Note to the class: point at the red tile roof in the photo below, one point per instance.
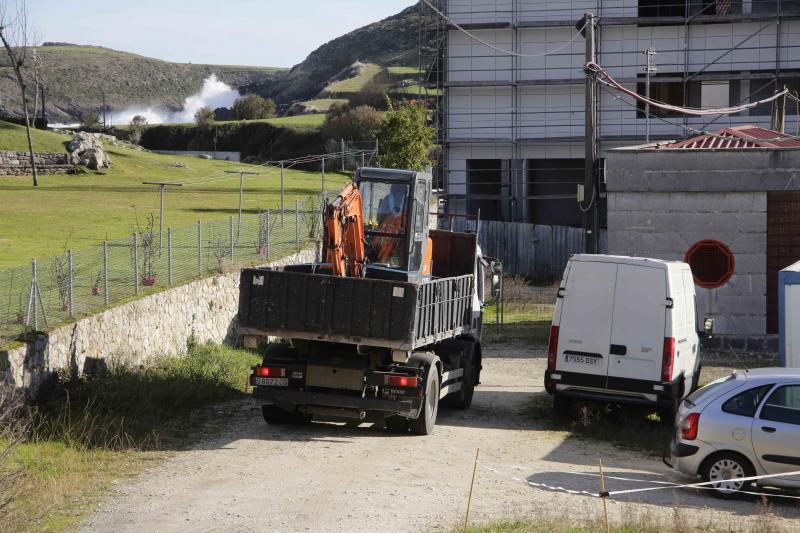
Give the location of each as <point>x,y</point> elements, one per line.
<point>735,138</point>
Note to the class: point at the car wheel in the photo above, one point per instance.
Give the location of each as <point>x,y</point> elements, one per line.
<point>727,469</point>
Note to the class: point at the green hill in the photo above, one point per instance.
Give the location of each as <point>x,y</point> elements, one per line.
<point>82,210</point>
<point>76,77</point>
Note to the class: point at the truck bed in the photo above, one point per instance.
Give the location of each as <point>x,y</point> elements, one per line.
<point>374,312</point>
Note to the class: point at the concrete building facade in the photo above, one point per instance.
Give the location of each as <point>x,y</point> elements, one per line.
<point>512,124</point>
<point>662,203</point>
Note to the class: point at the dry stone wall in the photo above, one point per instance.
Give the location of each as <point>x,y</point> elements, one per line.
<point>19,163</point>
<point>152,327</point>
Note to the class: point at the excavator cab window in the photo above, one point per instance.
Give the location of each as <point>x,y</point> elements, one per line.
<point>385,208</point>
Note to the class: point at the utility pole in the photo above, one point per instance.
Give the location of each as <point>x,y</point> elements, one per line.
<point>242,174</point>
<point>281,193</point>
<point>779,113</point>
<point>651,69</point>
<point>590,186</point>
<point>161,186</point>
<point>104,112</point>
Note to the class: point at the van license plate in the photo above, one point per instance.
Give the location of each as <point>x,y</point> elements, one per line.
<point>271,382</point>
<point>580,359</point>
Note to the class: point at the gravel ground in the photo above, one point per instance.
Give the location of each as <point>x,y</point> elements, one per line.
<point>326,477</point>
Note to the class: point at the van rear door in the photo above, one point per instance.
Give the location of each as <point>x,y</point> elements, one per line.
<point>585,326</point>
<point>637,333</point>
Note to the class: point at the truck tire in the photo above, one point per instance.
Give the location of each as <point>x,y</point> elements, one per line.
<point>396,424</point>
<point>462,399</point>
<point>274,415</point>
<point>425,422</point>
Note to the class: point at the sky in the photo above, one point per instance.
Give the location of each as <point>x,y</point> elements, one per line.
<point>270,33</point>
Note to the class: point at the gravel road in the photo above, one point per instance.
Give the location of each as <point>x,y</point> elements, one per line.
<point>326,477</point>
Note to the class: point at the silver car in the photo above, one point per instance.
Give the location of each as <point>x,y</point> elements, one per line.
<point>744,425</point>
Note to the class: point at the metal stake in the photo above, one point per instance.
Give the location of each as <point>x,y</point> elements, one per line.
<point>267,221</point>
<point>105,272</point>
<point>135,264</point>
<point>650,53</point>
<point>281,193</point>
<point>169,256</point>
<point>323,174</point>
<point>161,185</point>
<point>199,249</point>
<point>242,174</point>
<point>342,155</point>
<point>69,286</point>
<point>231,237</point>
<point>297,223</point>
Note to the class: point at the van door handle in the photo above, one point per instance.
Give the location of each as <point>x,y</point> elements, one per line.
<point>618,349</point>
<point>768,429</point>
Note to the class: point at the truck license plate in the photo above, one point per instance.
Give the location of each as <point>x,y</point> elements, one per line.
<point>271,382</point>
<point>580,359</point>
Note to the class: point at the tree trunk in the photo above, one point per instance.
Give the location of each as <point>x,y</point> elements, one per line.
<point>21,82</point>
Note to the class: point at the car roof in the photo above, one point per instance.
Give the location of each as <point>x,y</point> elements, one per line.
<point>626,260</point>
<point>764,374</point>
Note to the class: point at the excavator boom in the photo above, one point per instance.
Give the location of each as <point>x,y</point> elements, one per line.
<point>344,224</point>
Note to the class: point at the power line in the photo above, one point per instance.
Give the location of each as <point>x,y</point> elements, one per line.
<point>503,50</point>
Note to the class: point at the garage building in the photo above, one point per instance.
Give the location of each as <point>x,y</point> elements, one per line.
<point>729,204</point>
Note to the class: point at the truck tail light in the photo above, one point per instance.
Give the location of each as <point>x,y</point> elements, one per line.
<point>552,348</point>
<point>668,359</point>
<point>401,381</point>
<point>269,372</point>
<point>689,426</point>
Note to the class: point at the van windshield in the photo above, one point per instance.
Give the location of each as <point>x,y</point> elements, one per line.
<point>703,392</point>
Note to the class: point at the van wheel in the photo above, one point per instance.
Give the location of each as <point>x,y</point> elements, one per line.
<point>426,420</point>
<point>727,468</point>
<point>562,407</point>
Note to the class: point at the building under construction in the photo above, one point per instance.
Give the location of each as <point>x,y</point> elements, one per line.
<point>508,77</point>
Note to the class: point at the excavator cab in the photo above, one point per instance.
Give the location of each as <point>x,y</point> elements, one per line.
<point>395,214</point>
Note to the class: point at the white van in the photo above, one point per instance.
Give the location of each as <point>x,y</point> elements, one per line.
<point>624,331</point>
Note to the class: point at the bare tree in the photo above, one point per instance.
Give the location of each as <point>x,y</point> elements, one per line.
<point>17,40</point>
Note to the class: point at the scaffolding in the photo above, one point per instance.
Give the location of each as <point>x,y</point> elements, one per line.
<point>532,99</point>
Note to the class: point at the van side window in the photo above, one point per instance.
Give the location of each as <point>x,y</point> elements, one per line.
<point>747,402</point>
<point>783,405</point>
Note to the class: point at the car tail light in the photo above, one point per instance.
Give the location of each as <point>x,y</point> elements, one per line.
<point>552,349</point>
<point>668,360</point>
<point>689,426</point>
<point>401,381</point>
<point>269,372</point>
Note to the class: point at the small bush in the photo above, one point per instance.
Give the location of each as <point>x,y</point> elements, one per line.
<point>253,107</point>
<point>359,124</point>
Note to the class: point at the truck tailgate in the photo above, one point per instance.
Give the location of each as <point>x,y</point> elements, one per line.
<point>373,312</point>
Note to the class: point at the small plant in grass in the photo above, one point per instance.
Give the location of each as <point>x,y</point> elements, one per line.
<point>220,249</point>
<point>264,231</point>
<point>147,250</point>
<point>313,208</point>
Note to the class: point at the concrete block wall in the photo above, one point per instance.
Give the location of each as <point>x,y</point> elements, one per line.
<point>152,327</point>
<point>19,163</point>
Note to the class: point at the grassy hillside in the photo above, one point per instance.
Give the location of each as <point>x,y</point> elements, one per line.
<point>390,42</point>
<point>77,76</point>
<point>80,211</point>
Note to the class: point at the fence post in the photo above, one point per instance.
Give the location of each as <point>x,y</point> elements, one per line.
<point>135,264</point>
<point>342,155</point>
<point>231,237</point>
<point>281,193</point>
<point>34,290</point>
<point>69,286</point>
<point>297,223</point>
<point>199,248</point>
<point>105,272</point>
<point>362,159</point>
<point>267,230</point>
<point>323,174</point>
<point>169,256</point>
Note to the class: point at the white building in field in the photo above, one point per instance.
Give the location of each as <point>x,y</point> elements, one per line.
<point>513,126</point>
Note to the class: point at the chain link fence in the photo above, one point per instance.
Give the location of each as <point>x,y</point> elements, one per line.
<point>520,311</point>
<point>61,288</point>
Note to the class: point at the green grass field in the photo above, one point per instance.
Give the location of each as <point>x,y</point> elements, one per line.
<point>323,104</point>
<point>82,210</point>
<point>355,84</point>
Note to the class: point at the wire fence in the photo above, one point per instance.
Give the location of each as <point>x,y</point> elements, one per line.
<point>61,288</point>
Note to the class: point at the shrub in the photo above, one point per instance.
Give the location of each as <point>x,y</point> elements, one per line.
<point>203,117</point>
<point>253,107</point>
<point>359,124</point>
<point>406,141</point>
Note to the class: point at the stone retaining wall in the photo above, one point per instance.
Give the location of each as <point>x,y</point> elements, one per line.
<point>155,326</point>
<point>19,163</point>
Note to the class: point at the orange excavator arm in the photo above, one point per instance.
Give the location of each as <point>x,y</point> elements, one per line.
<point>344,235</point>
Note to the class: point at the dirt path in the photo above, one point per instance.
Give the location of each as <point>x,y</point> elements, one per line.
<point>325,477</point>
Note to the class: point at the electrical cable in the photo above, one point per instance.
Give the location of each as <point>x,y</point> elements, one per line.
<point>497,48</point>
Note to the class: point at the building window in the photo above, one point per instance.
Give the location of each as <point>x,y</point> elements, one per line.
<point>712,264</point>
<point>485,187</point>
<point>715,94</point>
<point>680,8</point>
<point>552,186</point>
<point>760,89</point>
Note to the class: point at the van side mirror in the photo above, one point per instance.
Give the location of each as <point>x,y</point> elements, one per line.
<point>497,279</point>
<point>495,286</point>
<point>708,327</point>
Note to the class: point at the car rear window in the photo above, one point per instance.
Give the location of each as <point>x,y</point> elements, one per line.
<point>703,392</point>
<point>746,403</point>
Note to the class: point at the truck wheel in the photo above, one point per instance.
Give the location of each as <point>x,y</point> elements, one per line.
<point>426,420</point>
<point>462,399</point>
